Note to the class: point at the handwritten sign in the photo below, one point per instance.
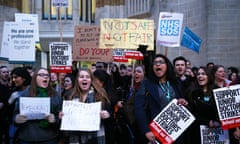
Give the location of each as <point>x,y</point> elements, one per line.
<point>126,33</point>
<point>169,29</point>
<point>228,105</point>
<point>86,45</point>
<point>171,122</point>
<point>34,107</point>
<point>60,57</point>
<point>80,116</point>
<point>214,135</point>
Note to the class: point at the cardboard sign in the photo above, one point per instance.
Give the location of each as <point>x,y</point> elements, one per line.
<point>126,33</point>
<point>60,57</point>
<point>214,135</point>
<point>80,116</point>
<point>86,45</point>
<point>169,29</point>
<point>228,105</point>
<point>171,122</point>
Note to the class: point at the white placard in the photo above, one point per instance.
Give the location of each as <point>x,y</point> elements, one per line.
<point>4,52</point>
<point>169,29</point>
<point>31,19</point>
<point>228,105</point>
<point>21,43</point>
<point>60,54</point>
<point>60,3</point>
<point>34,107</point>
<point>171,122</point>
<point>214,135</point>
<point>80,116</point>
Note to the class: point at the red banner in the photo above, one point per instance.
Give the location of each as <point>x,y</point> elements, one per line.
<point>61,69</point>
<point>160,134</point>
<point>120,59</point>
<point>134,55</point>
<point>230,123</point>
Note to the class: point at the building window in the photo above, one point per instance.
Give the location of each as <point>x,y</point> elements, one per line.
<point>87,10</point>
<point>52,13</point>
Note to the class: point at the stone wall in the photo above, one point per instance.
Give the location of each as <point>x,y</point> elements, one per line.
<point>224,32</point>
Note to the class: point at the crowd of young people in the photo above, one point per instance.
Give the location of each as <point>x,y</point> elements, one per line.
<point>121,89</point>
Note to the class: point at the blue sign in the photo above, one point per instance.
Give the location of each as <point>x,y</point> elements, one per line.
<point>191,40</point>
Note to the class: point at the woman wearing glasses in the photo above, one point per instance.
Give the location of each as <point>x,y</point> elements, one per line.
<point>40,130</point>
<point>162,86</point>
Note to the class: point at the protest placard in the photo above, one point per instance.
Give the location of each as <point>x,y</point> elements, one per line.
<point>86,45</point>
<point>171,122</point>
<point>31,19</point>
<point>60,54</point>
<point>126,33</point>
<point>119,55</point>
<point>228,105</point>
<point>60,3</point>
<point>169,29</point>
<point>21,43</point>
<point>34,107</point>
<point>213,135</point>
<point>4,51</point>
<point>80,116</point>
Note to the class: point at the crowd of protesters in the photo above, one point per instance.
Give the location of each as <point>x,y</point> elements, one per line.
<point>130,99</point>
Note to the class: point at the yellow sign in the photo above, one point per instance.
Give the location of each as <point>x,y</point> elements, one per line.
<point>126,33</point>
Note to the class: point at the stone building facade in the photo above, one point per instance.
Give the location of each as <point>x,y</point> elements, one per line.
<point>217,22</point>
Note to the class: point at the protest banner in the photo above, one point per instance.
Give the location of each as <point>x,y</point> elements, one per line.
<point>80,116</point>
<point>171,122</point>
<point>126,33</point>
<point>169,29</point>
<point>213,135</point>
<point>21,43</point>
<point>34,107</point>
<point>86,45</point>
<point>60,54</point>
<point>228,105</point>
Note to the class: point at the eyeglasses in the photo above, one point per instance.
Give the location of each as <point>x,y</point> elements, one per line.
<point>43,75</point>
<point>158,62</point>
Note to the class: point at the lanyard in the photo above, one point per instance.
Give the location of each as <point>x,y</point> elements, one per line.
<point>166,90</point>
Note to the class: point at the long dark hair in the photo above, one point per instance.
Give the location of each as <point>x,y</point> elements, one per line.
<point>210,80</point>
<point>170,73</point>
<point>22,72</point>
